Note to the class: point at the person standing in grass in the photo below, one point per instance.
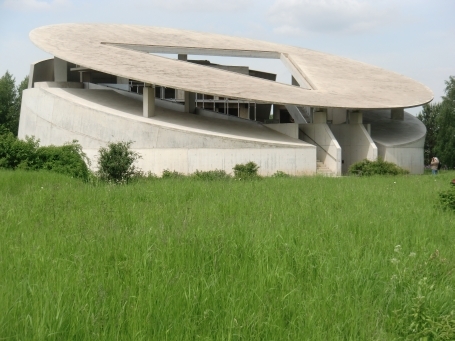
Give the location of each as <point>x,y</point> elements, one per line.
<point>434,165</point>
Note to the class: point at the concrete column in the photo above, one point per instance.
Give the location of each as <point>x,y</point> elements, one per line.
<point>397,114</point>
<point>60,70</point>
<point>320,116</point>
<point>190,102</point>
<point>355,117</point>
<point>149,100</point>
<point>190,97</point>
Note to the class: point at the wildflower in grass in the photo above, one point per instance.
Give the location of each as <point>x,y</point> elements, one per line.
<point>394,261</point>
<point>412,254</point>
<point>397,248</point>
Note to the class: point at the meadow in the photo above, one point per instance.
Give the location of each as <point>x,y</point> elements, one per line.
<point>311,258</point>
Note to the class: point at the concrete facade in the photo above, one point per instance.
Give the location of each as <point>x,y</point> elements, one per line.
<point>104,85</point>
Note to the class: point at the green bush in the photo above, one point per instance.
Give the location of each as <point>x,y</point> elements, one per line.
<point>280,174</point>
<point>67,159</point>
<point>28,155</point>
<point>167,174</point>
<point>116,163</point>
<point>447,199</point>
<point>247,170</point>
<point>216,174</point>
<point>379,167</point>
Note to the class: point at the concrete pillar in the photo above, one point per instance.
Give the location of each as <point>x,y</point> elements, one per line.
<point>397,114</point>
<point>190,101</point>
<point>190,97</point>
<point>60,70</point>
<point>149,100</point>
<point>320,116</point>
<point>355,117</point>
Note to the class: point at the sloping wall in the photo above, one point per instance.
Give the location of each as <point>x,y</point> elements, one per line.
<point>170,140</point>
<point>328,149</point>
<point>356,144</point>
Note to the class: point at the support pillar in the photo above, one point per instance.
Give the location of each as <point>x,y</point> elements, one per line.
<point>190,102</point>
<point>189,97</point>
<point>397,114</point>
<point>355,117</point>
<point>149,100</point>
<point>60,70</point>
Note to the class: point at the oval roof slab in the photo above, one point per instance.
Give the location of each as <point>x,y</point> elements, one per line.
<point>326,80</point>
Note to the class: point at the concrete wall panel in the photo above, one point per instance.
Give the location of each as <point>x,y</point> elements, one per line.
<point>56,119</point>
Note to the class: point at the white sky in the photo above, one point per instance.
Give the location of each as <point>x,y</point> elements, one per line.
<point>415,38</point>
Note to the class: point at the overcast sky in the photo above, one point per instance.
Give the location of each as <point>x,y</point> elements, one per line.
<point>415,38</point>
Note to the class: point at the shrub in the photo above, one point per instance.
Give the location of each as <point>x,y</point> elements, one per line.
<point>15,153</point>
<point>379,167</point>
<point>67,159</point>
<point>167,174</point>
<point>216,174</point>
<point>28,155</point>
<point>280,174</point>
<point>247,170</point>
<point>447,199</point>
<point>116,162</point>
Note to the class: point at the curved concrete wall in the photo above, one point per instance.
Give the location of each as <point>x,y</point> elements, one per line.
<point>398,141</point>
<point>170,140</point>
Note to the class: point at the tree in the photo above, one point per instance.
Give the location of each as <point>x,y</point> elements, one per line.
<point>10,102</point>
<point>8,97</point>
<point>15,112</point>
<point>445,144</point>
<point>429,116</point>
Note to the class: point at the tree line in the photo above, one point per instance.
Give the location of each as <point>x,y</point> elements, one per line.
<point>439,118</point>
<point>10,102</point>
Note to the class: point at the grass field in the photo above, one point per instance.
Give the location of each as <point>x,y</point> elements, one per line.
<point>181,259</point>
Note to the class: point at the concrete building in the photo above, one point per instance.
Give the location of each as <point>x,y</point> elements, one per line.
<point>106,84</point>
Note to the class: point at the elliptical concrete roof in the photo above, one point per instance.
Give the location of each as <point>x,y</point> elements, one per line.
<point>326,80</point>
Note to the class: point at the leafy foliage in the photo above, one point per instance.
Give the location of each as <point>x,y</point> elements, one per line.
<point>379,167</point>
<point>445,144</point>
<point>18,154</point>
<point>280,174</point>
<point>116,162</point>
<point>167,174</point>
<point>216,174</point>
<point>247,170</point>
<point>447,198</point>
<point>10,102</point>
<point>429,117</point>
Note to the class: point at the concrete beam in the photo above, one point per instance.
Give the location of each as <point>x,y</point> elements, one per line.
<point>149,100</point>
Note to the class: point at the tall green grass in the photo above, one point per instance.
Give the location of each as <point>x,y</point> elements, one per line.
<point>185,259</point>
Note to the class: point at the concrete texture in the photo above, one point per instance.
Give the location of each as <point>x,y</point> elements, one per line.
<point>328,149</point>
<point>169,140</point>
<point>325,80</point>
<point>355,142</point>
<point>398,141</point>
